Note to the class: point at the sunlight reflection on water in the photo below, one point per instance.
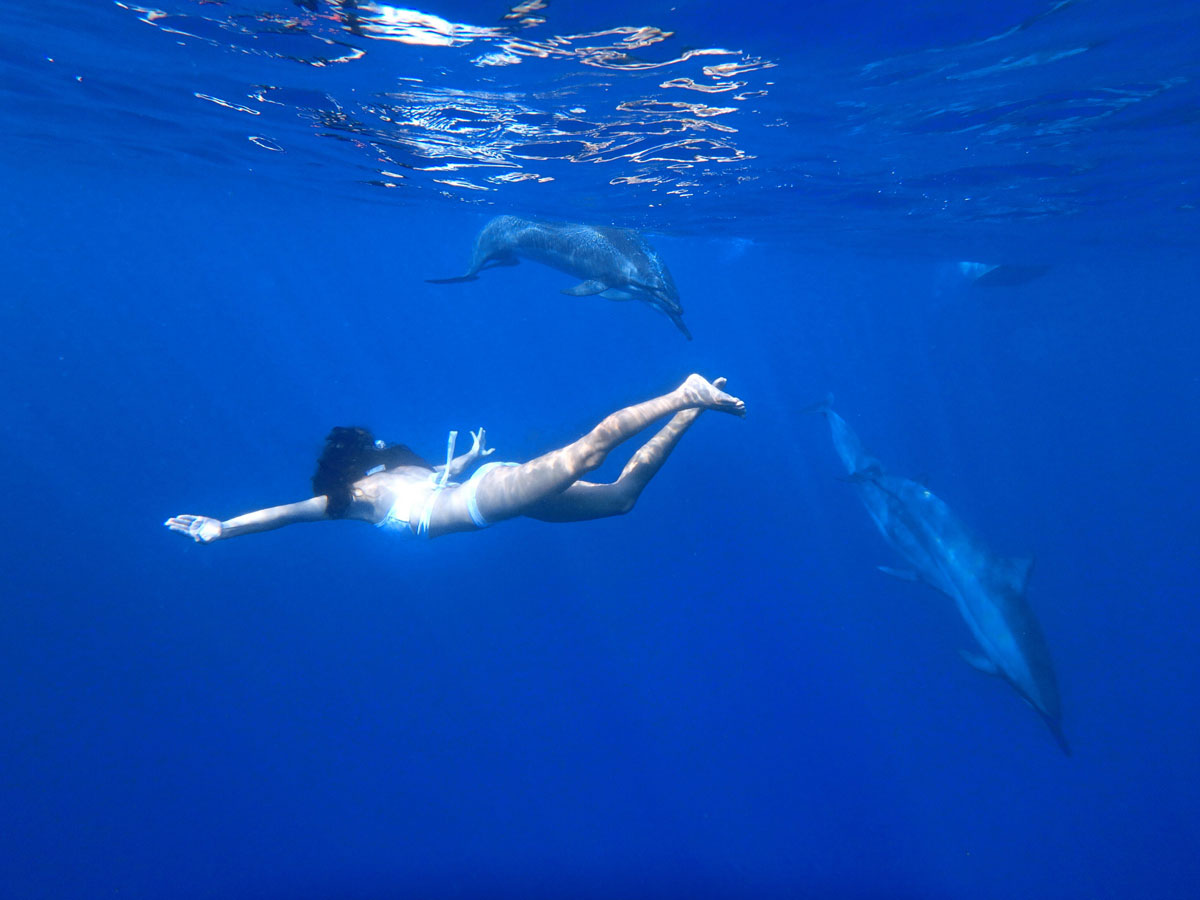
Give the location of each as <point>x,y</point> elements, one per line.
<point>676,121</point>
<point>440,121</point>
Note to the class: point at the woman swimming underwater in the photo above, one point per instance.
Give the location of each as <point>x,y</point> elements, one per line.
<point>393,488</point>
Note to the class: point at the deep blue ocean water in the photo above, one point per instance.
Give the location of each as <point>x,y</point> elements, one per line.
<point>217,222</point>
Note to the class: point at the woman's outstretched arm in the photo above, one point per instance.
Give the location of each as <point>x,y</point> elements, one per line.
<point>204,530</point>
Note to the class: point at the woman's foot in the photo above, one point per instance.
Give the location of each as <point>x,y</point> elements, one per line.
<point>699,391</point>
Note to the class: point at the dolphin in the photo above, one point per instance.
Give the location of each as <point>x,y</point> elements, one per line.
<point>988,590</point>
<point>615,263</point>
<point>999,275</point>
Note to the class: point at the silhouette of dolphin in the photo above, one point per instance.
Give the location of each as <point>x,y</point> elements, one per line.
<point>989,591</point>
<point>615,263</point>
<point>994,275</point>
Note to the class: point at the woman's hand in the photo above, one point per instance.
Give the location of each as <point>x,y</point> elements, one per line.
<point>460,464</point>
<point>477,445</point>
<point>200,529</point>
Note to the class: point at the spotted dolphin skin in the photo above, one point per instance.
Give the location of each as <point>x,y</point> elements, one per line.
<point>989,591</point>
<point>615,263</point>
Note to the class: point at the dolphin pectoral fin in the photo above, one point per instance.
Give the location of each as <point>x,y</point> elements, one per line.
<point>980,662</point>
<point>458,280</point>
<point>902,574</point>
<point>616,295</point>
<point>586,289</point>
<point>1014,573</point>
<point>1022,568</point>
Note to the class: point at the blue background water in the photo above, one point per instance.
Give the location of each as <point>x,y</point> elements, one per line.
<point>716,695</point>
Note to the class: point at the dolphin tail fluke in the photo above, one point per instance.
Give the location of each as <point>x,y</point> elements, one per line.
<point>458,280</point>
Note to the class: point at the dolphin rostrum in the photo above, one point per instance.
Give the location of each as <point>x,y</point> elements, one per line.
<point>615,263</point>
<point>988,590</point>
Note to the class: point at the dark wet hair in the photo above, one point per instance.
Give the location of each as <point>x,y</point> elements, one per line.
<point>348,455</point>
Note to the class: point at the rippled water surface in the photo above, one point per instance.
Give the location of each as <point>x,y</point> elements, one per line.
<point>659,116</point>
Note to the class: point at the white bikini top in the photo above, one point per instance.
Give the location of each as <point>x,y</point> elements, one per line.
<point>397,515</point>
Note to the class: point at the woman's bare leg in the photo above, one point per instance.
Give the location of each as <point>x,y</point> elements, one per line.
<point>584,500</point>
<point>510,491</point>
